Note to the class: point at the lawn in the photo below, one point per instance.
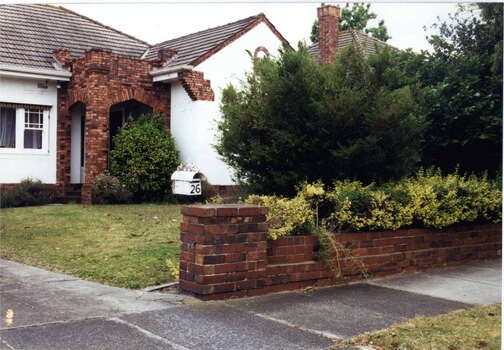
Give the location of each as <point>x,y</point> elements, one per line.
<point>120,245</point>
<point>474,328</point>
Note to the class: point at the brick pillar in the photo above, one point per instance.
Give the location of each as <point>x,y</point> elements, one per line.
<point>63,134</point>
<point>328,18</point>
<point>223,250</point>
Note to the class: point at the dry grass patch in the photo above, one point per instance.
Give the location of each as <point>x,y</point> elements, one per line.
<point>469,329</point>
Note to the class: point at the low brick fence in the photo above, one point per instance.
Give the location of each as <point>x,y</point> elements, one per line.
<point>225,252</point>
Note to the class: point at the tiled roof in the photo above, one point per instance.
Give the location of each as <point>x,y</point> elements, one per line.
<point>29,34</point>
<point>347,37</point>
<point>193,46</point>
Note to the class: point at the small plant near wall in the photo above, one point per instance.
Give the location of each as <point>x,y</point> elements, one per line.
<point>28,192</point>
<point>300,215</point>
<point>109,189</point>
<point>173,269</point>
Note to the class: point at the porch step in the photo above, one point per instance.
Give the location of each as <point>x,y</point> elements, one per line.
<point>72,195</point>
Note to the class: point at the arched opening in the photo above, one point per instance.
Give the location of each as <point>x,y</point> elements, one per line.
<point>77,145</point>
<point>119,114</point>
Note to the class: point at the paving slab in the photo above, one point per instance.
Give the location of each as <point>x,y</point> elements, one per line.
<point>85,334</point>
<point>475,284</point>
<point>213,325</point>
<point>346,310</point>
<point>50,310</point>
<point>36,296</point>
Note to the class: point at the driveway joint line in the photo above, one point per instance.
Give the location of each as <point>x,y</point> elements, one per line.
<point>149,334</point>
<point>324,334</point>
<point>422,294</point>
<point>6,344</point>
<point>467,280</point>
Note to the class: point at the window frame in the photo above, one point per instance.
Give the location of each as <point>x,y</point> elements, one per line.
<point>22,125</point>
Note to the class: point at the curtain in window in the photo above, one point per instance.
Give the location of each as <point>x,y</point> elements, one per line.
<point>33,139</point>
<point>7,127</point>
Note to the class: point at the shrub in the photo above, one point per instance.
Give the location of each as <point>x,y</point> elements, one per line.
<point>27,193</point>
<point>144,157</point>
<point>440,201</point>
<point>428,199</point>
<point>286,216</point>
<point>109,189</point>
<point>293,120</point>
<point>357,207</point>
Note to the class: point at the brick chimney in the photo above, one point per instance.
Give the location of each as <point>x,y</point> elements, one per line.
<point>328,18</point>
<point>167,55</point>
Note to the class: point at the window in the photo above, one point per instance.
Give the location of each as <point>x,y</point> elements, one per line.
<point>7,127</point>
<point>24,128</point>
<point>34,125</point>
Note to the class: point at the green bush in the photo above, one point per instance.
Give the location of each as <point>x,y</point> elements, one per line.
<point>28,192</point>
<point>108,189</point>
<point>428,199</point>
<point>293,120</point>
<point>144,157</point>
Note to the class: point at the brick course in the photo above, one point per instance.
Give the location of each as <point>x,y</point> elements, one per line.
<point>196,86</point>
<point>225,252</point>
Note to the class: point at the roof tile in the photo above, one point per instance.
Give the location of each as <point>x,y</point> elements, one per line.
<point>193,46</point>
<point>347,37</point>
<point>31,32</point>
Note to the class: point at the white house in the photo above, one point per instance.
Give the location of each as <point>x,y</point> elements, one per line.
<point>67,83</point>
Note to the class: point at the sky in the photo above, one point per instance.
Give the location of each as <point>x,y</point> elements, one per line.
<point>155,22</point>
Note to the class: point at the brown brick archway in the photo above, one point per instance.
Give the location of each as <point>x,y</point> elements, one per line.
<point>102,79</point>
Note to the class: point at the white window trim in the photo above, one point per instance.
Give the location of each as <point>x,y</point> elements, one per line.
<point>20,128</point>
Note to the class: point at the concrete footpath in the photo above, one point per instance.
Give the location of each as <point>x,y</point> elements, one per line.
<point>46,310</point>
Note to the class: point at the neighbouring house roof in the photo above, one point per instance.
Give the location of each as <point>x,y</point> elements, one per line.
<point>347,37</point>
<point>194,48</point>
<point>29,33</point>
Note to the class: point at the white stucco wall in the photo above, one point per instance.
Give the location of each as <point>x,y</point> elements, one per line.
<point>18,164</point>
<point>194,123</point>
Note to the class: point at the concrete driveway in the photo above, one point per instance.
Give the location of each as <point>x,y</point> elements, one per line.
<point>46,310</point>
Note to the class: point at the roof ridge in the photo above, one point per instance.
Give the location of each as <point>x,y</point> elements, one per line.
<point>212,28</point>
<point>357,31</point>
<point>99,23</point>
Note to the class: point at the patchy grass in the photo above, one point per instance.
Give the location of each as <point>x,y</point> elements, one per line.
<point>469,329</point>
<point>120,245</point>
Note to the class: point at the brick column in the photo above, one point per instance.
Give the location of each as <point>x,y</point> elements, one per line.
<point>223,250</point>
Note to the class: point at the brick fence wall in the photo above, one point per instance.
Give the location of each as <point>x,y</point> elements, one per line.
<point>225,252</point>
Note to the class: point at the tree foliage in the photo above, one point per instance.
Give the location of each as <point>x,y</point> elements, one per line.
<point>462,81</point>
<point>293,120</point>
<point>144,157</point>
<point>356,17</point>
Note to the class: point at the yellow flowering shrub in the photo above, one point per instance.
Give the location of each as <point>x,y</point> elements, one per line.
<point>286,216</point>
<point>440,201</point>
<point>357,207</point>
<point>428,199</point>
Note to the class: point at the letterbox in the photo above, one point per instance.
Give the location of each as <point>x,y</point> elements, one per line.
<point>187,183</point>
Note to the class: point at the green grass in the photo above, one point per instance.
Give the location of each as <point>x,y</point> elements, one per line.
<point>469,329</point>
<point>120,245</point>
